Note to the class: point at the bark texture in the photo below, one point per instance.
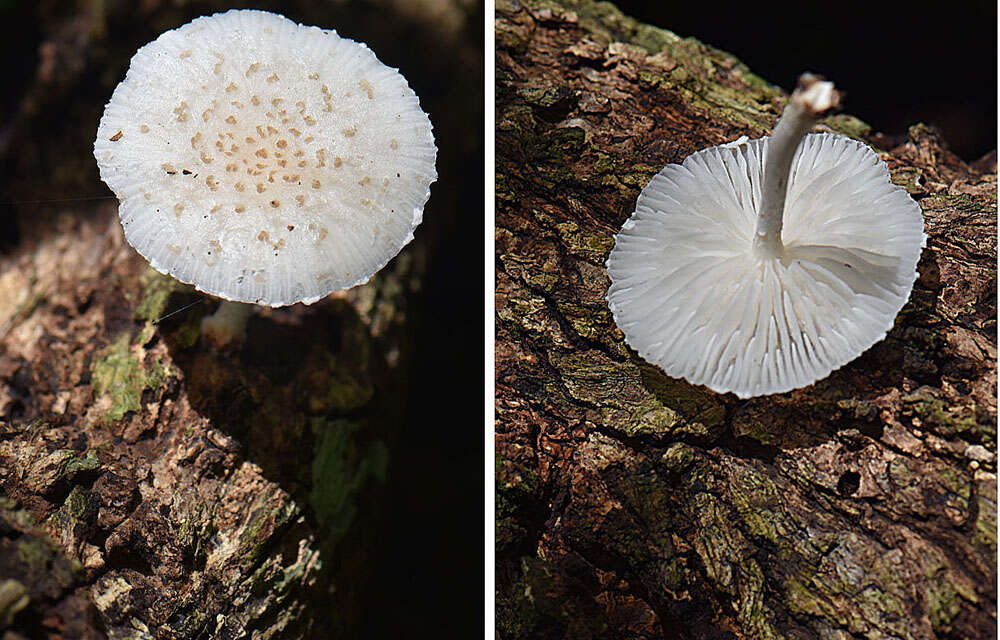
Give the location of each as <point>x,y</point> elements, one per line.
<point>187,492</point>
<point>633,505</point>
<point>150,487</point>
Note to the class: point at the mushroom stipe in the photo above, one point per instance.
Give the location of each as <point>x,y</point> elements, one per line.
<point>758,267</point>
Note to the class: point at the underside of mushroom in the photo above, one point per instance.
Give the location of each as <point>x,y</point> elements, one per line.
<point>760,267</point>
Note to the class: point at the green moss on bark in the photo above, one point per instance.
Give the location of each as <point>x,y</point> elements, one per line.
<point>119,373</point>
<point>342,466</point>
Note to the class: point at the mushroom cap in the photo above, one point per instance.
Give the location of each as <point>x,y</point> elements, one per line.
<point>691,296</point>
<point>264,161</point>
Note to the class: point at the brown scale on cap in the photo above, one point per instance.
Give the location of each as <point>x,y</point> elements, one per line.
<point>266,152</point>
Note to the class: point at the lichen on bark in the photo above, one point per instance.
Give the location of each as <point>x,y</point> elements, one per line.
<point>634,505</point>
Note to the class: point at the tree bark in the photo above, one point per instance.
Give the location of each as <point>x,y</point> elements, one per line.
<point>188,492</point>
<point>633,505</point>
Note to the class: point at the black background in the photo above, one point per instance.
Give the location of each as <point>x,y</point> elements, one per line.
<point>899,62</point>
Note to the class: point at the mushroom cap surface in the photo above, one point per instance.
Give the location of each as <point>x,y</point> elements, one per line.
<point>691,296</point>
<point>264,161</point>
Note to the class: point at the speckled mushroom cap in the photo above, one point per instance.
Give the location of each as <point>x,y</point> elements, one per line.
<point>692,297</point>
<point>264,161</point>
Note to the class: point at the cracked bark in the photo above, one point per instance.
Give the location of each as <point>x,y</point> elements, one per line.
<point>633,505</point>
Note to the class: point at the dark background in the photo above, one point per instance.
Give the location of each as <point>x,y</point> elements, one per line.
<point>900,62</point>
<point>58,72</point>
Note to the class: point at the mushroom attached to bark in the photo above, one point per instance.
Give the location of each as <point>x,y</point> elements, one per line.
<point>264,162</point>
<point>760,267</point>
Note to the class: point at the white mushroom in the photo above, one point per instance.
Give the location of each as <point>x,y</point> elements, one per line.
<point>760,267</point>
<point>263,161</point>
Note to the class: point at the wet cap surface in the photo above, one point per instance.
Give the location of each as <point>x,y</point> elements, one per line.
<point>692,298</point>
<point>263,161</point>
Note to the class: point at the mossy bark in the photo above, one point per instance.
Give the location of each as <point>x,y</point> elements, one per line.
<point>189,491</point>
<point>633,505</point>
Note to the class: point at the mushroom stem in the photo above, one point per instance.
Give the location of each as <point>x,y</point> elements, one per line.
<point>228,324</point>
<point>811,98</point>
